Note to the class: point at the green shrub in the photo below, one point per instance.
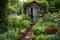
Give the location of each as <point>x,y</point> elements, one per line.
<point>52,37</point>
<point>48,17</point>
<point>51,17</point>
<point>40,26</point>
<point>18,21</point>
<point>17,25</point>
<point>38,30</point>
<point>22,22</point>
<point>58,35</point>
<point>10,35</point>
<point>41,37</point>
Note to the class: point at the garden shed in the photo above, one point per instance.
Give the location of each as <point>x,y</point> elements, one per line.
<point>34,9</point>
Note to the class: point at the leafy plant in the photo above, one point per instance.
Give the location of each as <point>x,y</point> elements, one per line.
<point>17,25</point>
<point>41,37</point>
<point>10,35</point>
<point>52,37</point>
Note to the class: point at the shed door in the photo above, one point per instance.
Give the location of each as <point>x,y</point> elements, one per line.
<point>35,15</point>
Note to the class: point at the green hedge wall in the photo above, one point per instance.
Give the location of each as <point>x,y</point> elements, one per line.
<point>45,6</point>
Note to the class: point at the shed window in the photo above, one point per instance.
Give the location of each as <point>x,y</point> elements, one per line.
<point>29,10</point>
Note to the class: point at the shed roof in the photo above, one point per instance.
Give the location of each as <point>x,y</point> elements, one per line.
<point>28,4</point>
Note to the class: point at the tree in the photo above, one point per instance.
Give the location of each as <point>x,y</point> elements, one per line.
<point>13,2</point>
<point>57,4</point>
<point>3,15</point>
<point>16,6</point>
